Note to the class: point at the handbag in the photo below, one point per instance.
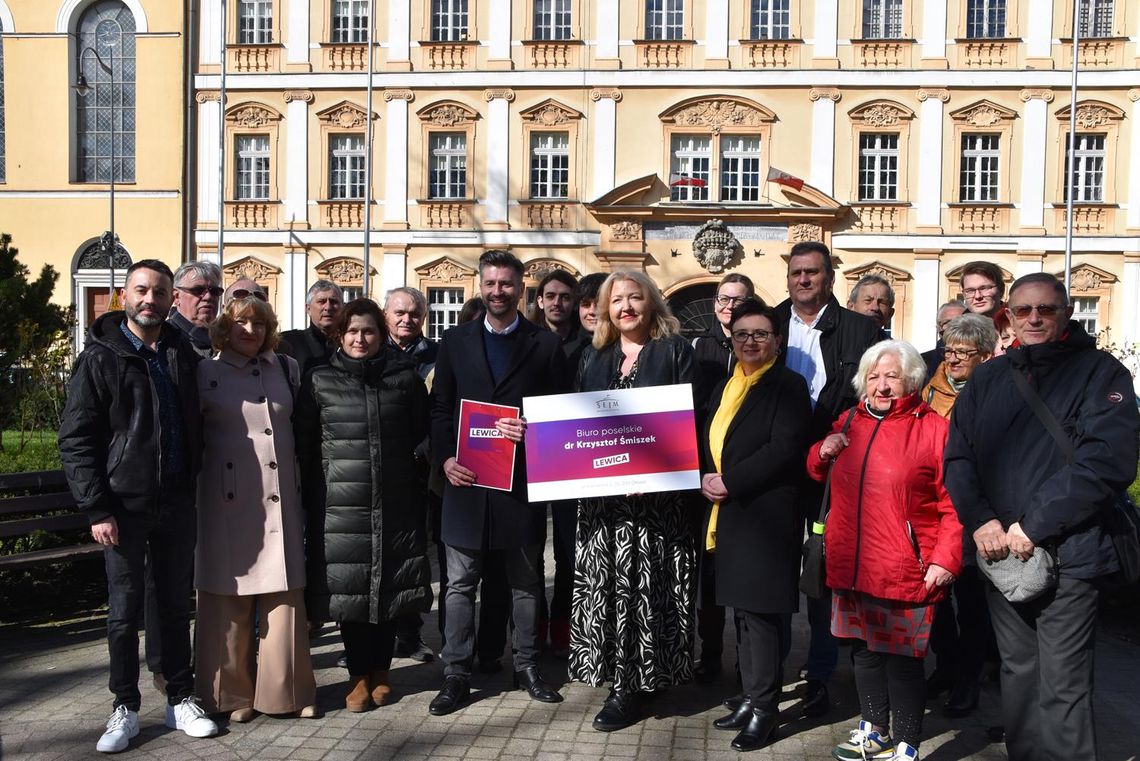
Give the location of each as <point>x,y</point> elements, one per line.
<point>813,576</point>
<point>1021,580</point>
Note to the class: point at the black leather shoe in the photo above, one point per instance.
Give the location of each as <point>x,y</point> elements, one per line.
<point>760,731</point>
<point>490,666</point>
<point>938,682</point>
<point>531,681</point>
<point>816,702</point>
<point>739,718</point>
<point>707,670</point>
<point>416,649</point>
<point>733,703</point>
<point>963,699</point>
<point>452,697</point>
<point>618,712</point>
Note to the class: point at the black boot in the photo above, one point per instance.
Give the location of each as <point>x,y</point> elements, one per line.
<point>531,681</point>
<point>816,702</point>
<point>733,703</point>
<point>738,719</point>
<point>760,731</point>
<point>963,699</point>
<point>452,697</point>
<point>618,712</point>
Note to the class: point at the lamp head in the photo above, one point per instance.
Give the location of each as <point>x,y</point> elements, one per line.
<point>81,86</point>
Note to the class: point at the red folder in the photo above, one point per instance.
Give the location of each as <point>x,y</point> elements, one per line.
<point>481,448</point>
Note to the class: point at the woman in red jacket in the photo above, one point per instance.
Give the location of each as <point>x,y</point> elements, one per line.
<point>893,543</point>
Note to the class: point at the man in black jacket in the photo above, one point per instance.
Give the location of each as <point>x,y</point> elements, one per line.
<point>824,343</point>
<point>197,296</point>
<point>130,445</point>
<point>1016,487</point>
<point>312,346</point>
<point>499,360</point>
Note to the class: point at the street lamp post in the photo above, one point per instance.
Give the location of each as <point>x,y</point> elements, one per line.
<point>109,34</point>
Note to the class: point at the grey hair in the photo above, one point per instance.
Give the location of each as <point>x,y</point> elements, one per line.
<point>872,279</point>
<point>913,367</point>
<point>319,287</point>
<point>955,304</point>
<point>973,330</point>
<point>206,270</point>
<point>413,293</point>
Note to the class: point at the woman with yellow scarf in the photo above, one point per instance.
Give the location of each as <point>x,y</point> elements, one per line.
<point>754,447</point>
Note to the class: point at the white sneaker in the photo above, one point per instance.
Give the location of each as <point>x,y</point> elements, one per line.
<point>904,752</point>
<point>190,718</point>
<point>121,728</point>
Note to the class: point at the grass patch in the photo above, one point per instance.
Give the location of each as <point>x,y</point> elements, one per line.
<point>28,451</point>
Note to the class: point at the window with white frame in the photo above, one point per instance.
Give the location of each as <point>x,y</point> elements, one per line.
<point>550,165</point>
<point>444,306</point>
<point>350,21</point>
<point>882,19</point>
<point>448,169</point>
<point>985,19</point>
<point>1088,172</point>
<point>690,168</point>
<point>255,22</point>
<point>1096,18</point>
<point>978,175</point>
<point>1086,311</point>
<point>346,167</point>
<point>448,20</point>
<point>771,20</point>
<point>252,167</point>
<point>105,116</point>
<point>878,166</point>
<point>740,168</point>
<point>551,19</point>
<point>664,19</point>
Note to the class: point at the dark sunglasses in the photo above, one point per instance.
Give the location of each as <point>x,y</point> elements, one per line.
<point>243,293</point>
<point>199,291</point>
<point>1021,311</point>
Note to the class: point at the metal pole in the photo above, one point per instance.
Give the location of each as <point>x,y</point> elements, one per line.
<point>113,247</point>
<point>368,157</point>
<point>1072,162</point>
<point>222,142</point>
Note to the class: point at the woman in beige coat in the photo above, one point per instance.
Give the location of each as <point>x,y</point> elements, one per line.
<point>250,555</point>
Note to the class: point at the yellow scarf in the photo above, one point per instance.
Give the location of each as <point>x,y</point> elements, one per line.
<point>734,394</point>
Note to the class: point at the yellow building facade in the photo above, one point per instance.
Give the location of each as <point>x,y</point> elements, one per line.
<point>56,161</point>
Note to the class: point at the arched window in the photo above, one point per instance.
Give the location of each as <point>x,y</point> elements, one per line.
<point>107,27</point>
<point>3,156</point>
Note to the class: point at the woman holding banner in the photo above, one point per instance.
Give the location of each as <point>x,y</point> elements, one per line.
<point>754,444</point>
<point>635,574</point>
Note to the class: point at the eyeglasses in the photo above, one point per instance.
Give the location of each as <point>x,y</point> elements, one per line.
<point>245,293</point>
<point>758,336</point>
<point>959,354</point>
<point>724,301</point>
<point>1021,311</point>
<point>199,291</point>
<point>979,291</point>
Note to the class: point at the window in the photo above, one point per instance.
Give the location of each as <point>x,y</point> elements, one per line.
<point>252,165</point>
<point>978,178</point>
<point>448,20</point>
<point>448,173</point>
<point>740,168</point>
<point>350,21</point>
<point>1096,18</point>
<point>105,116</point>
<point>552,19</point>
<point>985,19</point>
<point>346,167</point>
<point>1088,175</point>
<point>255,22</point>
<point>3,162</point>
<point>1086,311</point>
<point>549,165</point>
<point>771,20</point>
<point>664,19</point>
<point>444,305</point>
<point>689,172</point>
<point>878,166</point>
<point>882,19</point>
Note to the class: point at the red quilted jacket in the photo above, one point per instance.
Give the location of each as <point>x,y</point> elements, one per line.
<point>891,517</point>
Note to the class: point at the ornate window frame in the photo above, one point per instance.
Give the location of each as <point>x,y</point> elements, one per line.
<point>1090,281</point>
<point>345,271</point>
<point>550,116</point>
<point>979,118</point>
<point>344,118</point>
<point>446,116</point>
<point>264,274</point>
<point>575,23</point>
<point>446,272</point>
<point>1093,117</point>
<point>882,116</point>
<point>252,118</point>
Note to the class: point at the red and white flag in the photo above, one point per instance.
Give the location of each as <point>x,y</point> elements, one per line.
<point>677,180</point>
<point>783,178</point>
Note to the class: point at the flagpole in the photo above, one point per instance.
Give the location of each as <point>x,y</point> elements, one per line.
<point>1072,146</point>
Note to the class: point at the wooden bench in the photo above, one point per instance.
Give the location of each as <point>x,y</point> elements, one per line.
<point>39,510</point>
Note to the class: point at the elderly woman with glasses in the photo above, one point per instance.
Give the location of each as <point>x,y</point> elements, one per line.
<point>893,543</point>
<point>968,341</point>
<point>754,443</point>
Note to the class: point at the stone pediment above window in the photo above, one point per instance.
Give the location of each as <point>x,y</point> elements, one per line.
<point>540,268</point>
<point>549,113</point>
<point>1091,114</point>
<point>717,113</point>
<point>344,271</point>
<point>881,114</point>
<point>447,114</point>
<point>984,113</point>
<point>345,115</point>
<point>251,268</point>
<point>445,270</point>
<point>892,275</point>
<point>650,190</point>
<point>251,114</point>
<point>1088,278</point>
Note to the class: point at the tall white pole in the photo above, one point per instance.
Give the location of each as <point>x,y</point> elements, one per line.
<point>222,141</point>
<point>368,157</point>
<point>1072,162</point>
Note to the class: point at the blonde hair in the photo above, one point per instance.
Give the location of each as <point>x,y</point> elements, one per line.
<point>235,310</point>
<point>663,324</point>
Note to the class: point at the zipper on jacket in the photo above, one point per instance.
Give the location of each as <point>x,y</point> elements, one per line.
<point>914,545</point>
<point>859,507</point>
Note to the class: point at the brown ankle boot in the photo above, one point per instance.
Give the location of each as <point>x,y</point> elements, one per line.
<point>380,688</point>
<point>358,699</point>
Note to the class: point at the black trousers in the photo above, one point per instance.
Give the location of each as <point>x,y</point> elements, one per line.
<point>564,519</point>
<point>368,647</point>
<point>890,683</point>
<point>1046,650</point>
<point>962,636</point>
<point>760,652</point>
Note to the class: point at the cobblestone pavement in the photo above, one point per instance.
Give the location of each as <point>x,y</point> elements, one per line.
<point>54,701</point>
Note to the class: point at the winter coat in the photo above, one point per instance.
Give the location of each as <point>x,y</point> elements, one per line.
<point>251,525</point>
<point>891,518</point>
<point>309,346</point>
<point>358,423</point>
<point>938,393</point>
<point>714,355</point>
<point>662,362</point>
<point>1002,463</point>
<point>110,438</point>
<point>196,335</point>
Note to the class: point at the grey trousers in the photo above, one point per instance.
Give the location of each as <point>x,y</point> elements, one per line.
<point>1046,648</point>
<point>464,568</point>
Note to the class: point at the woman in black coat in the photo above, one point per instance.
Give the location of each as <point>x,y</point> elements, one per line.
<point>358,422</point>
<point>757,432</point>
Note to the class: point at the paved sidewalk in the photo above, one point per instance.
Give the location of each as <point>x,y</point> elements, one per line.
<point>54,701</point>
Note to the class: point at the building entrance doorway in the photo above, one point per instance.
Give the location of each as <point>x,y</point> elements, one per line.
<point>693,306</point>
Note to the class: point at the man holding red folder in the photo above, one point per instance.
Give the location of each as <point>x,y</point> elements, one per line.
<point>499,361</point>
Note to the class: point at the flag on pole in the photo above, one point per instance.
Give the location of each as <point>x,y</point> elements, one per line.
<point>677,180</point>
<point>783,178</point>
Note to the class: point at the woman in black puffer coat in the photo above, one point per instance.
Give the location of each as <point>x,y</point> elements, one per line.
<point>358,422</point>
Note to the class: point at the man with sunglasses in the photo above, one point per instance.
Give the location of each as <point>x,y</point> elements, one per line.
<point>197,296</point>
<point>243,288</point>
<point>1018,485</point>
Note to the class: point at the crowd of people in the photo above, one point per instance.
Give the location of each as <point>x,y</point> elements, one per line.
<point>285,480</point>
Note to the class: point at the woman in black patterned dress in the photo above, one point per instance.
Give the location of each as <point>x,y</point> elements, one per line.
<point>635,572</point>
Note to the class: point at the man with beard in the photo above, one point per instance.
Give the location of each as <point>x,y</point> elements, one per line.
<point>197,295</point>
<point>129,443</point>
<point>312,346</point>
<point>873,297</point>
